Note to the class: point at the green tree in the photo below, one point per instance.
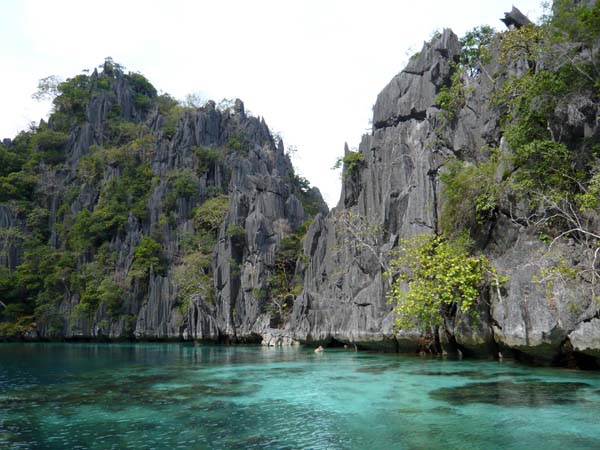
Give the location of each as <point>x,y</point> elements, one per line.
<point>475,49</point>
<point>147,256</point>
<point>433,277</point>
<point>210,214</point>
<point>350,162</point>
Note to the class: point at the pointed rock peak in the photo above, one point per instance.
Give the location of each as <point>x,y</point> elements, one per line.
<point>108,67</point>
<point>346,148</point>
<point>238,107</point>
<point>280,146</point>
<point>515,19</point>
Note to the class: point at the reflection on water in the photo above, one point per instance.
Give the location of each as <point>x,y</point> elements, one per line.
<point>533,393</point>
<point>181,396</point>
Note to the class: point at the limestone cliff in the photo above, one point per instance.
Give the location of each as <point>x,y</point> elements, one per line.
<point>398,190</point>
<point>104,234</point>
<point>131,172</point>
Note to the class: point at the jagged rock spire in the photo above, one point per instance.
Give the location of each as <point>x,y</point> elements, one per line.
<point>515,19</point>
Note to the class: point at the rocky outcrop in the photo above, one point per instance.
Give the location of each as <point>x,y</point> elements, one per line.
<point>392,188</point>
<point>585,338</point>
<point>11,238</point>
<point>244,163</point>
<point>397,189</point>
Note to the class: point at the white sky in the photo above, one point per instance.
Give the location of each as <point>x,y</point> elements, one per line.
<point>312,68</point>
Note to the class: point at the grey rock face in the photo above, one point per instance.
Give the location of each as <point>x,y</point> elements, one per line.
<point>263,202</point>
<point>515,18</point>
<point>274,337</point>
<point>586,338</point>
<point>11,239</point>
<point>397,189</point>
<point>413,90</point>
<point>536,317</point>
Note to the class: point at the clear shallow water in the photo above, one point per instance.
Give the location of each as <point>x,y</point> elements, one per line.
<point>178,396</point>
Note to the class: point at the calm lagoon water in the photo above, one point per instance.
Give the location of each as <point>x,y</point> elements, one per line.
<point>143,396</point>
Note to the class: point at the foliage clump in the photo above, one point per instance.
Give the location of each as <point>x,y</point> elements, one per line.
<point>433,278</point>
<point>350,162</point>
<point>239,143</point>
<point>236,233</point>
<point>475,53</point>
<point>476,49</point>
<point>207,157</point>
<point>472,194</point>
<point>451,99</point>
<point>210,214</point>
<point>147,257</point>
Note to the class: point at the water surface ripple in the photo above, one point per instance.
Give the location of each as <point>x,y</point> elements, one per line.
<point>152,396</point>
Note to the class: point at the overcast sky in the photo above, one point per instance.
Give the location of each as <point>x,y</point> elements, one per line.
<point>311,68</point>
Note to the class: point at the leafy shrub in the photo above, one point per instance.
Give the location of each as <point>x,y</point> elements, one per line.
<point>103,83</point>
<point>51,145</point>
<point>10,160</point>
<point>147,255</point>
<point>89,168</point>
<point>522,43</point>
<point>122,132</point>
<point>111,295</point>
<point>475,49</point>
<point>239,143</point>
<point>142,101</point>
<point>182,184</point>
<point>18,186</point>
<point>210,214</point>
<point>71,102</point>
<point>193,277</point>
<point>577,23</point>
<point>432,277</point>
<point>171,122</point>
<point>471,194</point>
<point>351,162</point>
<point>185,184</point>
<point>141,85</point>
<point>19,327</point>
<point>544,164</point>
<point>236,234</point>
<point>37,221</point>
<point>451,99</point>
<point>311,202</point>
<point>165,103</point>
<point>206,158</point>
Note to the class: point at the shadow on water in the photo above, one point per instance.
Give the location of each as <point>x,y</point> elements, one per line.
<point>473,374</point>
<point>532,393</point>
<point>373,369</point>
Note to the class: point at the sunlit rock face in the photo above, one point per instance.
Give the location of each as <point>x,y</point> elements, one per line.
<point>394,187</point>
<point>397,188</point>
<point>245,163</point>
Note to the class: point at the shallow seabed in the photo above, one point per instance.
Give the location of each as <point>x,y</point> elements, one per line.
<point>147,396</point>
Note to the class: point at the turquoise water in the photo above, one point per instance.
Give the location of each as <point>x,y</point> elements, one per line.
<point>143,396</point>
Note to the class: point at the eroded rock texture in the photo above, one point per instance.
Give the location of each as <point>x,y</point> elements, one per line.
<point>397,187</point>
<point>246,164</point>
